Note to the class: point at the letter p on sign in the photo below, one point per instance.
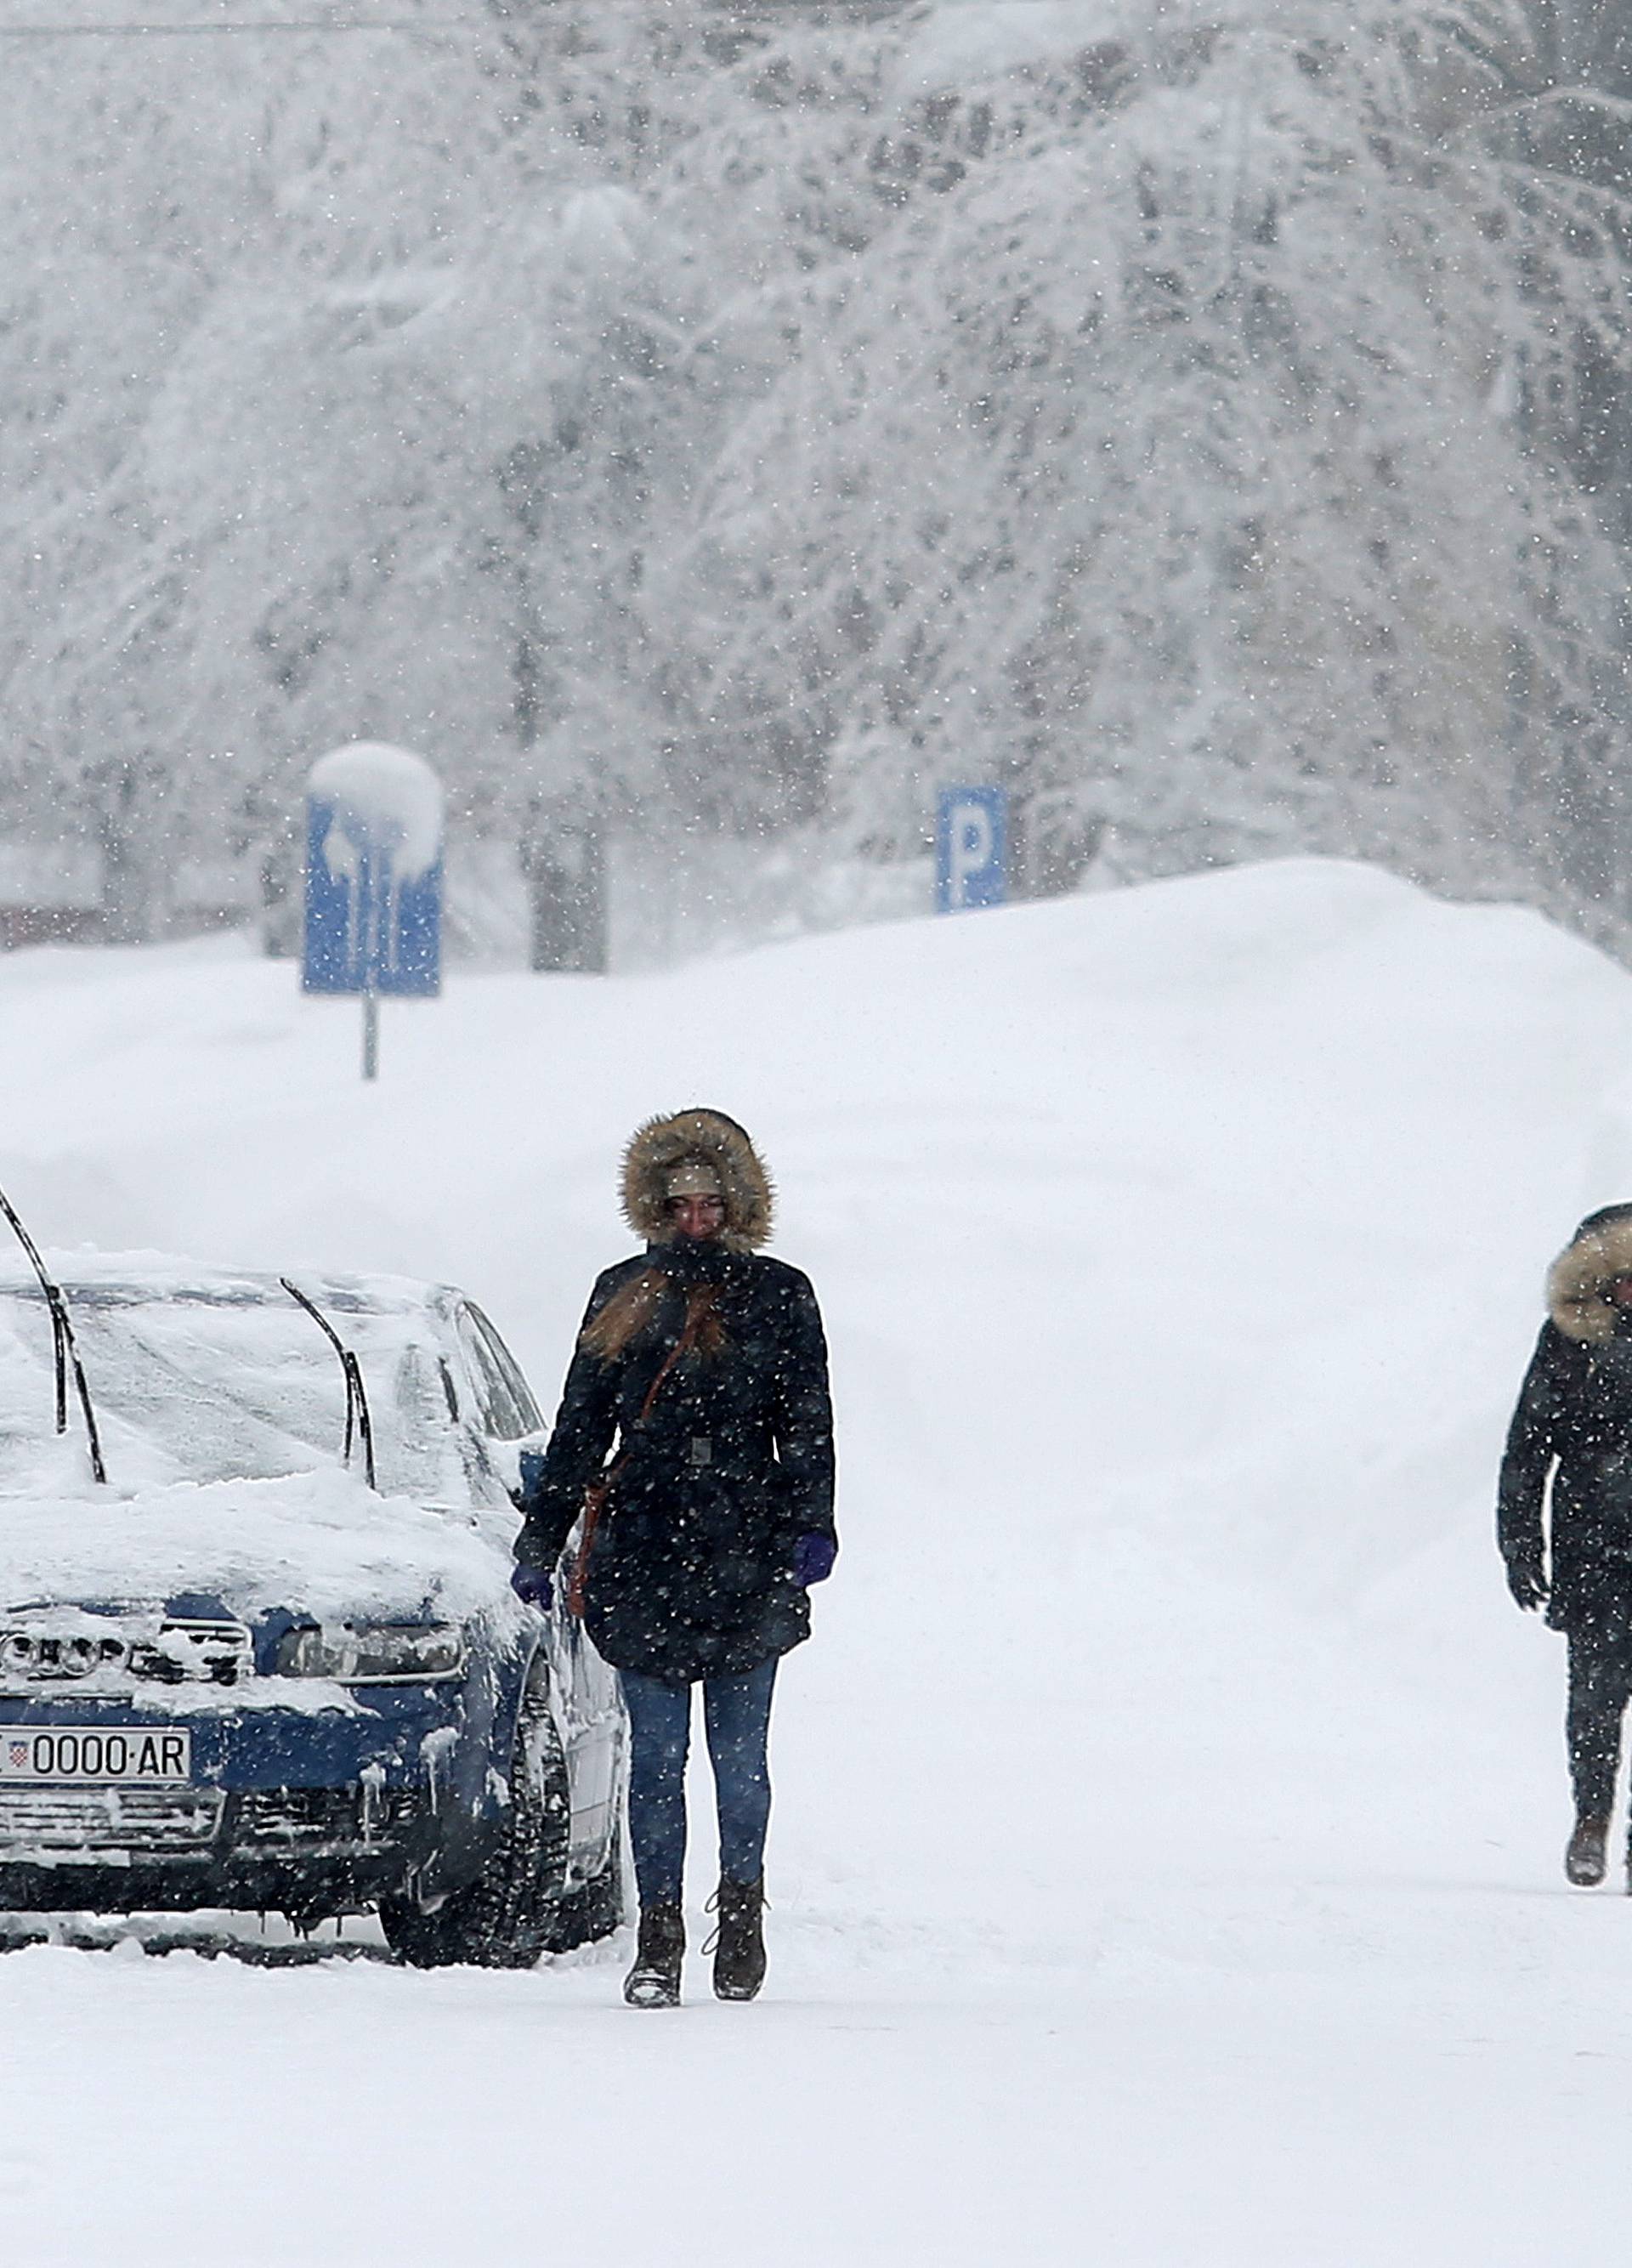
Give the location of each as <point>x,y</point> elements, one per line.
<point>970,848</point>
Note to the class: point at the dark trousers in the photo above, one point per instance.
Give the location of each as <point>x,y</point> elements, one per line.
<point>736,1716</point>
<point>1600,1686</point>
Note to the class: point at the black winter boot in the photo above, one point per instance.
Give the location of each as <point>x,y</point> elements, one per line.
<point>654,1981</point>
<point>740,1939</point>
<point>1584,1858</point>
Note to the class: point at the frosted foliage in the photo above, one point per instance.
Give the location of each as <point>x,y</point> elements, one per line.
<point>1203,420</point>
<point>1168,466</point>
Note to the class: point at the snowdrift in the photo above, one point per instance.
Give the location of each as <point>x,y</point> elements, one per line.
<point>1169,1778</point>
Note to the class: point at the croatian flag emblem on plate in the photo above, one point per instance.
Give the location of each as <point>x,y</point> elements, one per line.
<point>19,1755</point>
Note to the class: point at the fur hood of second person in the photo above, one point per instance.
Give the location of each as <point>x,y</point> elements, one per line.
<point>1577,1283</point>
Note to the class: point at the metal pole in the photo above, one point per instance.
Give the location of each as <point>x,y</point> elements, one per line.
<point>369,916</point>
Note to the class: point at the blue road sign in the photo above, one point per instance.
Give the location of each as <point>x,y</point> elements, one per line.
<point>373,875</point>
<point>970,848</point>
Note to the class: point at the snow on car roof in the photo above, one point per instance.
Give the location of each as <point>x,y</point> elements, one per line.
<point>221,1410</point>
<point>164,1276</point>
<point>211,1375</point>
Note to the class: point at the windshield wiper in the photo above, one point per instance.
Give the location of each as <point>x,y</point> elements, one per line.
<point>358,1423</point>
<point>64,1350</point>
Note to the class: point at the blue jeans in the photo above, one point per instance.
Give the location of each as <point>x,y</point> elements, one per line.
<point>736,1715</point>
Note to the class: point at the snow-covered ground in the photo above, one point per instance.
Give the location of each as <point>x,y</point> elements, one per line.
<point>1165,1865</point>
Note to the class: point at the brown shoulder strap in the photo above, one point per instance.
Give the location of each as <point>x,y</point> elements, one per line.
<point>699,1306</point>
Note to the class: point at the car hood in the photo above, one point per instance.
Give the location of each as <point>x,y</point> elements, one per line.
<point>318,1544</point>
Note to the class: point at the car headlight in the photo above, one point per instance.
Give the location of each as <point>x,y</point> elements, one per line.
<point>372,1653</point>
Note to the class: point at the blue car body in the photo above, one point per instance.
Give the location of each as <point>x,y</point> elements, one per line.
<point>373,1728</point>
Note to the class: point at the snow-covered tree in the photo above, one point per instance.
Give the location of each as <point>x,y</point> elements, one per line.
<point>1203,417</point>
<point>1162,455</point>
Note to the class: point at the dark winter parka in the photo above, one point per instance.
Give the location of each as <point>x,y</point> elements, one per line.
<point>689,1573</point>
<point>1574,1421</point>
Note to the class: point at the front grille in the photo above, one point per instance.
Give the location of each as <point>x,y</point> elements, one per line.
<point>60,1647</point>
<point>281,1818</point>
<point>282,1815</point>
<point>97,1824</point>
<point>218,1652</point>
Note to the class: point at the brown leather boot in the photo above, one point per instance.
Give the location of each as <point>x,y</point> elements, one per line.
<point>740,1939</point>
<point>1583,1856</point>
<point>654,1981</point>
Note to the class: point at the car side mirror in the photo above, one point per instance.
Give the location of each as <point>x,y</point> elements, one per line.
<point>516,1463</point>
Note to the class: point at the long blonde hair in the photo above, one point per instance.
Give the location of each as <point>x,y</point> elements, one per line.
<point>634,1307</point>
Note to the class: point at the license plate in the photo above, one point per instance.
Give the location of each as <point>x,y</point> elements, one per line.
<point>113,1754</point>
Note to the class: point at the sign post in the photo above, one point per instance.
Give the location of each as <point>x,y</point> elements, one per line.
<point>970,848</point>
<point>373,881</point>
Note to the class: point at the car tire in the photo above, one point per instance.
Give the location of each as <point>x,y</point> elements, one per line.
<point>597,1909</point>
<point>511,1913</point>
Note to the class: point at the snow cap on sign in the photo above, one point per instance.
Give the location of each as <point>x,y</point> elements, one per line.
<point>385,799</point>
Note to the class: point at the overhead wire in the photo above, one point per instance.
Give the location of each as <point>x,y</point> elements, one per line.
<point>190,31</point>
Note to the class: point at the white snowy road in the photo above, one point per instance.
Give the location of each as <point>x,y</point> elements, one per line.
<point>1166,1859</point>
<point>1211,2092</point>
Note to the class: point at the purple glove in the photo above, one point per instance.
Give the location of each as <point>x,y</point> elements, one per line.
<point>812,1559</point>
<point>1526,1582</point>
<point>532,1586</point>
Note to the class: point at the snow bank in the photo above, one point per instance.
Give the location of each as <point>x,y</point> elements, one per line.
<point>1169,1806</point>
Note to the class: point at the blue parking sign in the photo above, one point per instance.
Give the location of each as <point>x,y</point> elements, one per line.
<point>373,875</point>
<point>970,848</point>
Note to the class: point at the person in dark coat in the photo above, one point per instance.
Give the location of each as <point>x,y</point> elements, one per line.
<point>697,1417</point>
<point>1569,1547</point>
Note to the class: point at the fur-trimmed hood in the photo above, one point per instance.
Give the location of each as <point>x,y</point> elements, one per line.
<point>1600,1250</point>
<point>705,1138</point>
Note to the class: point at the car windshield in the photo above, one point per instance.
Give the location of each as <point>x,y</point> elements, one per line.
<point>224,1382</point>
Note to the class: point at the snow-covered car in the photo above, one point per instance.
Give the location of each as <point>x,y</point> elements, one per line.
<point>273,1660</point>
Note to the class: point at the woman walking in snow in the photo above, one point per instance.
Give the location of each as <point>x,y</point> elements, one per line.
<point>1574,1425</point>
<point>705,1527</point>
